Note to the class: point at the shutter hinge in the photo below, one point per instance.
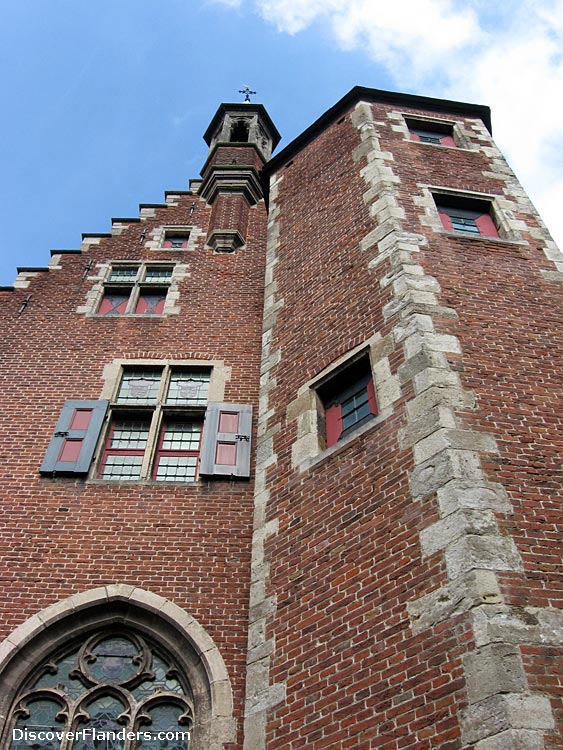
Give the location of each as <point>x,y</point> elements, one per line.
<point>61,433</point>
<point>243,438</point>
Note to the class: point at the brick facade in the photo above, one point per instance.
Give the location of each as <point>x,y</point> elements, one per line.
<point>400,588</point>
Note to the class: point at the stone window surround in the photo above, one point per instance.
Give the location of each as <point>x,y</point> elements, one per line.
<point>309,448</point>
<point>96,293</point>
<point>159,234</point>
<point>220,374</point>
<point>462,140</point>
<point>151,615</point>
<point>501,210</point>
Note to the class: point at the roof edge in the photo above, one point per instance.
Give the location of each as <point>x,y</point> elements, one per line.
<point>376,95</point>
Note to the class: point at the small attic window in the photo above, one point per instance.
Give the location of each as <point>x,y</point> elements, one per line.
<point>239,132</point>
<point>428,131</point>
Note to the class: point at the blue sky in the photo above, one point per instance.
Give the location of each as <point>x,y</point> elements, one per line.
<point>105,103</point>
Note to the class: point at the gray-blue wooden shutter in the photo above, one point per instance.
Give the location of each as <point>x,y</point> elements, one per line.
<point>71,450</point>
<point>225,446</point>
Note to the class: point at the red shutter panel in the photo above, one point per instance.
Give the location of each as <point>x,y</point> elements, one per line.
<point>225,447</point>
<point>446,221</point>
<point>371,397</point>
<point>74,441</point>
<point>486,225</point>
<point>333,424</point>
<point>447,140</point>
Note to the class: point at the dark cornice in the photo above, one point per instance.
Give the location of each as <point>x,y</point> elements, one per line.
<point>362,93</point>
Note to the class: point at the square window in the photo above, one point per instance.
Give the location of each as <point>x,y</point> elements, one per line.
<point>139,289</point>
<point>348,399</point>
<point>176,241</point>
<point>424,131</point>
<point>114,302</point>
<point>139,386</point>
<point>466,215</point>
<point>178,451</point>
<point>151,302</point>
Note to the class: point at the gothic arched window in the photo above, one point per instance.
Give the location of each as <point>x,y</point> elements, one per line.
<point>112,690</point>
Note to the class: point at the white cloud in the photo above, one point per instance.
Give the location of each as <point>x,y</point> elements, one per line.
<point>507,55</point>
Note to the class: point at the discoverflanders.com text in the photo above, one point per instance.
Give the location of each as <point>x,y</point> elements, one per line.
<point>48,735</point>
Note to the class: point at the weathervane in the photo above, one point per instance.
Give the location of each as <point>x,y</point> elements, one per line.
<point>247,92</point>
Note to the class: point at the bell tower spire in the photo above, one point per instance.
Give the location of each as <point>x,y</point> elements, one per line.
<point>241,138</point>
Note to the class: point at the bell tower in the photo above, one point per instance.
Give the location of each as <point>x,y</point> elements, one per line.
<point>241,138</point>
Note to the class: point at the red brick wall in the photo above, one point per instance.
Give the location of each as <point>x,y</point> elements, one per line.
<point>347,557</point>
<point>61,536</point>
<point>511,334</point>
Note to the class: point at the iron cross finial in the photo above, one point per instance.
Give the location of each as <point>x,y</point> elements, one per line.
<point>247,92</point>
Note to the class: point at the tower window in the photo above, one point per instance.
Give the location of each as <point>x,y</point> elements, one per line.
<point>465,215</point>
<point>240,132</point>
<point>176,239</point>
<point>437,133</point>
<point>348,398</point>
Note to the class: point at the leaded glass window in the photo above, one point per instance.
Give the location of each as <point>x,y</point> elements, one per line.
<point>156,424</point>
<point>100,690</point>
<point>136,289</point>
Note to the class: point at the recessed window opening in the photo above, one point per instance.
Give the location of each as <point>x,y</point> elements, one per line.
<point>240,132</point>
<point>466,215</point>
<point>348,398</point>
<point>437,133</point>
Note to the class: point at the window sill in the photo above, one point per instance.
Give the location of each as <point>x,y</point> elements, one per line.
<point>483,238</point>
<point>137,316</point>
<point>441,145</point>
<point>341,445</point>
<point>144,482</point>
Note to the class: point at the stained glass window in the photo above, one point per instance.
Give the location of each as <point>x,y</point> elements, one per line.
<point>109,684</point>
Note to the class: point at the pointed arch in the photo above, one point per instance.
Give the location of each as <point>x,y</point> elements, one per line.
<point>135,610</point>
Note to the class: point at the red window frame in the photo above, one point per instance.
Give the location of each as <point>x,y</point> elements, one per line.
<point>355,380</point>
<point>109,451</point>
<point>162,452</point>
